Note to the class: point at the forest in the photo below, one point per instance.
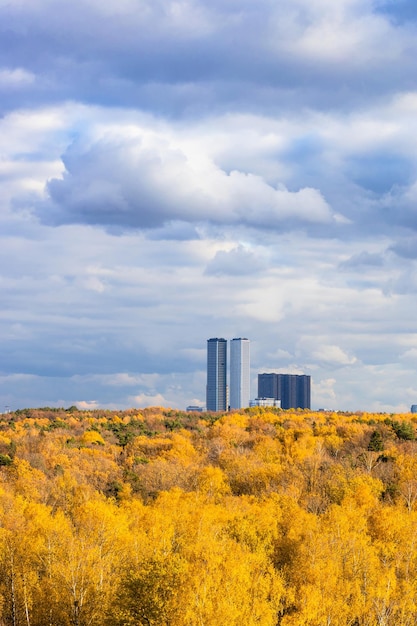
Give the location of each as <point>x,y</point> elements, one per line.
<point>157,517</point>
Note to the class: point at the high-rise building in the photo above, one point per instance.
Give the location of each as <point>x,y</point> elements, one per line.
<point>294,390</point>
<point>216,391</point>
<point>239,373</point>
<point>268,386</point>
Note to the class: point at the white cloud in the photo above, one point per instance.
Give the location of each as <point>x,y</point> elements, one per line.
<point>150,179</point>
<point>324,393</point>
<point>348,32</point>
<point>87,405</point>
<point>410,355</point>
<point>120,379</point>
<point>143,400</point>
<point>334,355</point>
<point>15,78</point>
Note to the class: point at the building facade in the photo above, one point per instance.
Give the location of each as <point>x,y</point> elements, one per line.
<point>216,390</point>
<point>266,402</point>
<point>239,373</point>
<point>293,390</point>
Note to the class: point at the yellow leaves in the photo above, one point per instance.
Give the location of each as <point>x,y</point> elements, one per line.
<point>334,562</point>
<point>407,475</point>
<point>28,481</point>
<point>229,585</point>
<point>198,562</point>
<point>4,440</point>
<point>333,443</point>
<point>297,445</point>
<point>234,419</point>
<point>152,448</point>
<point>261,517</point>
<point>24,546</point>
<point>212,482</point>
<point>363,491</point>
<point>265,416</point>
<point>230,432</point>
<point>255,524</point>
<point>267,449</point>
<point>152,594</point>
<point>182,448</point>
<point>92,437</point>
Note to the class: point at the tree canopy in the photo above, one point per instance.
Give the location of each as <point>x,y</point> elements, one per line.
<point>158,517</point>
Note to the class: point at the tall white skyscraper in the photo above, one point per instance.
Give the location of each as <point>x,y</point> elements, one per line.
<point>239,373</point>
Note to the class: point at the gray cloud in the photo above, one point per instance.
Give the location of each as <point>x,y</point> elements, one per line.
<point>406,248</point>
<point>240,261</point>
<point>253,56</point>
<point>363,259</point>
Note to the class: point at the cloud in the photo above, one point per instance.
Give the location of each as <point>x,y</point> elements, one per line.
<point>148,181</point>
<point>405,248</point>
<point>324,392</point>
<point>363,259</point>
<point>143,400</point>
<point>122,379</point>
<point>410,355</point>
<point>15,78</point>
<point>331,354</point>
<point>87,405</point>
<point>189,58</point>
<point>239,261</point>
<point>173,171</point>
<point>403,283</point>
<point>175,230</point>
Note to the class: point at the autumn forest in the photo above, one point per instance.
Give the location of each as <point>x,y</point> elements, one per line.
<point>158,517</point>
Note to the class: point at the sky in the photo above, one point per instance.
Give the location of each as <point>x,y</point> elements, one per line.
<point>178,170</point>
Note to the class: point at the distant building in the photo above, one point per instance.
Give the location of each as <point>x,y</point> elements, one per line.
<point>194,407</point>
<point>239,373</point>
<point>272,402</point>
<point>413,408</point>
<point>216,391</point>
<point>268,386</point>
<point>293,390</point>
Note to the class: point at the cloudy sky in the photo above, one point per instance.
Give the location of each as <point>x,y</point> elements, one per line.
<point>174,170</point>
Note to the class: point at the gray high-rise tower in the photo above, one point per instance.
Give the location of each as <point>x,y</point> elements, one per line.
<point>216,392</point>
<point>239,373</point>
<point>294,390</point>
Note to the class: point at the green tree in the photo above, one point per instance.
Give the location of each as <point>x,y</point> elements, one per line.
<point>376,442</point>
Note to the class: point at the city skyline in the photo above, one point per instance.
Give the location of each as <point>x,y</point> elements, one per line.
<point>291,390</point>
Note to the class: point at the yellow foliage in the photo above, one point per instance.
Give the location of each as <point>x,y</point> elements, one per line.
<point>235,418</point>
<point>260,517</point>
<point>364,491</point>
<point>92,437</point>
<point>182,448</point>
<point>212,482</point>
